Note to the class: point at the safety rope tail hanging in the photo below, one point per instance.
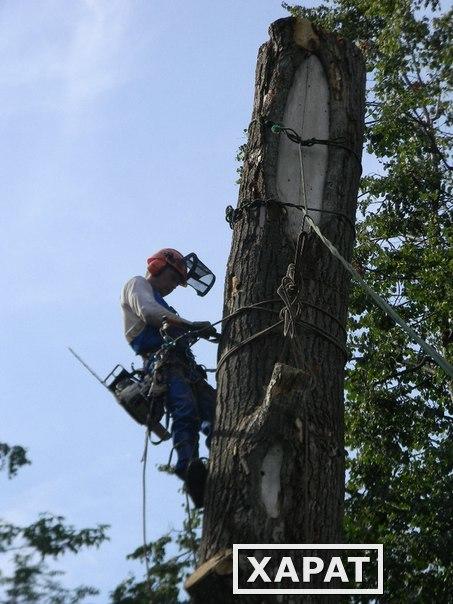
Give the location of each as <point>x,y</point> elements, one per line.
<point>145,542</point>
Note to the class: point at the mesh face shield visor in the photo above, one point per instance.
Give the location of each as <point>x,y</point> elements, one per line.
<point>198,275</point>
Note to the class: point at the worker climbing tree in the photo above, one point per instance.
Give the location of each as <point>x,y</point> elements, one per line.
<point>177,385</point>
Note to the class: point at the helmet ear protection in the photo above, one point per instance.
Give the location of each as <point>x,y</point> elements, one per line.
<point>156,266</point>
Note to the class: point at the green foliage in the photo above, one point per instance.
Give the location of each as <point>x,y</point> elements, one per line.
<point>399,403</point>
<point>166,573</point>
<point>12,458</point>
<point>241,156</point>
<point>25,550</point>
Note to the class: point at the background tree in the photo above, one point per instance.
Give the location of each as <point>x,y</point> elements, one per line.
<point>25,550</point>
<point>399,406</point>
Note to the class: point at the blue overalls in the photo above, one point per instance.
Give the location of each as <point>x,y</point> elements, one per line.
<point>190,399</point>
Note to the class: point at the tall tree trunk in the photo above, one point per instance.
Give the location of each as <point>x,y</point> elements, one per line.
<point>276,473</point>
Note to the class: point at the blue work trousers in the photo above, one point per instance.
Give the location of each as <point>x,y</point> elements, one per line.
<point>191,407</point>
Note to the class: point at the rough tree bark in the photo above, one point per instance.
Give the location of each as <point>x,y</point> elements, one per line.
<point>276,473</point>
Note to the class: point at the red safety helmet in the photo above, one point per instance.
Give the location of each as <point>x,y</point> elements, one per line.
<point>168,257</point>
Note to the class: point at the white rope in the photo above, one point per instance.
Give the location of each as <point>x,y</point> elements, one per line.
<point>301,163</point>
<point>302,181</point>
<point>145,544</point>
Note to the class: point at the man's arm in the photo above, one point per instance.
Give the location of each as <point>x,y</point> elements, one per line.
<point>139,296</point>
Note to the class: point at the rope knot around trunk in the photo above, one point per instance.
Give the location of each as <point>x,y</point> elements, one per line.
<point>288,292</point>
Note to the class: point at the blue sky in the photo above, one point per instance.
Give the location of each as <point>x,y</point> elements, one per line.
<point>120,124</point>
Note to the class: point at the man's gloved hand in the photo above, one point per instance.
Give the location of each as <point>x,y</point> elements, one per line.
<point>204,328</point>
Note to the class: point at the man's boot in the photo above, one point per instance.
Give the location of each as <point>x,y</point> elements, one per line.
<point>196,476</point>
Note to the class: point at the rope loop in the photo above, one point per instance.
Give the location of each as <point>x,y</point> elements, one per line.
<point>294,137</point>
<point>233,215</point>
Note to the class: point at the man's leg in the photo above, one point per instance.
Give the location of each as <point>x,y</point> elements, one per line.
<point>185,421</point>
<point>206,399</point>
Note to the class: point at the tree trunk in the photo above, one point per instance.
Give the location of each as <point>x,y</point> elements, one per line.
<point>276,473</point>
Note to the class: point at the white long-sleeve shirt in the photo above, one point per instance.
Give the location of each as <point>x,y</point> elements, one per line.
<point>140,307</point>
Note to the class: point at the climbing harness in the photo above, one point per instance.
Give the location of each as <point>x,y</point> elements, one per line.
<point>141,392</point>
